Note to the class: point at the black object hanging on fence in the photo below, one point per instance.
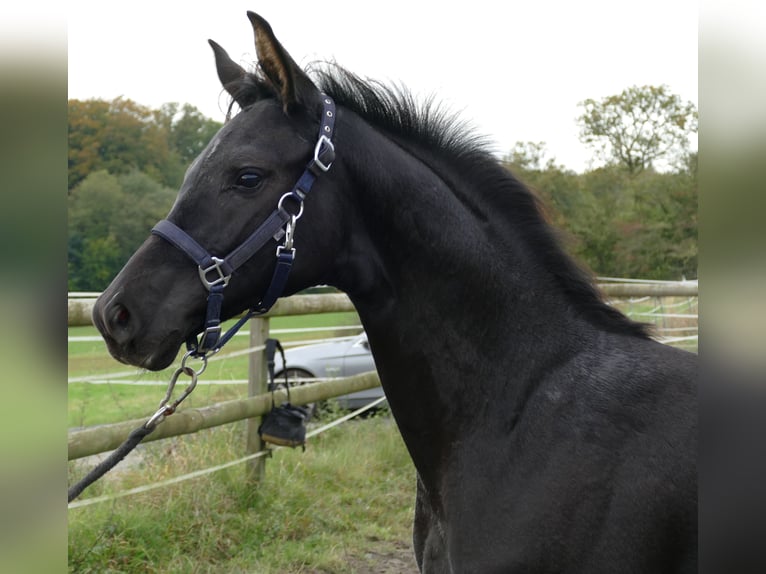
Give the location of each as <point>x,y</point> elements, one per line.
<point>284,425</point>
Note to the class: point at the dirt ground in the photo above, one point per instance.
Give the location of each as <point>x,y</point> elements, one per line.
<point>396,558</point>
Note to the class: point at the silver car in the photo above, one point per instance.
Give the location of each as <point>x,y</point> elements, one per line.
<point>340,358</point>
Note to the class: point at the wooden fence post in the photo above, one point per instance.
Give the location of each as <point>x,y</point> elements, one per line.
<point>257,384</point>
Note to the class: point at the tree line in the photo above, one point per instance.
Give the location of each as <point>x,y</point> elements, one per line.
<point>621,224</point>
<point>126,163</point>
<point>625,218</point>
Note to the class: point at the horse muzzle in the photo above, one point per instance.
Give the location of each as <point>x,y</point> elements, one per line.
<point>125,335</point>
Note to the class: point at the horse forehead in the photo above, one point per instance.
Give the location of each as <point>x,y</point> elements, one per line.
<point>204,157</point>
<point>265,125</point>
<point>230,137</point>
<point>259,129</point>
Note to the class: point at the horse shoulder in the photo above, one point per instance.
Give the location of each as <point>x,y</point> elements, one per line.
<point>598,467</point>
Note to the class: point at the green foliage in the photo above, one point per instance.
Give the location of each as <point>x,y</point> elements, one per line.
<point>122,136</point>
<point>109,217</point>
<point>117,136</point>
<point>126,162</point>
<point>189,130</point>
<point>638,127</point>
<point>619,224</point>
<point>662,239</point>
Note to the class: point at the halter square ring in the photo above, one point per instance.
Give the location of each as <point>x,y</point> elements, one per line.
<point>323,145</point>
<point>216,266</point>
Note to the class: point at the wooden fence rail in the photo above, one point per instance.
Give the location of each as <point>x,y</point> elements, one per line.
<point>80,309</point>
<point>101,438</point>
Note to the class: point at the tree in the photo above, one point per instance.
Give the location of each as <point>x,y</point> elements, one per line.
<point>620,224</point>
<point>662,240</point>
<point>118,136</point>
<point>638,126</point>
<point>557,187</point>
<point>528,156</point>
<point>191,132</point>
<point>109,217</point>
<point>122,136</point>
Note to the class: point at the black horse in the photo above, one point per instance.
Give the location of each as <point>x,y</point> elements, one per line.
<point>549,432</point>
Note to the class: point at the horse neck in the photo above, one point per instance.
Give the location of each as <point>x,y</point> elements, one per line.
<point>448,300</point>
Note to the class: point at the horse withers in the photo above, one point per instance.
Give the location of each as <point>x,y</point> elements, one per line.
<point>549,432</point>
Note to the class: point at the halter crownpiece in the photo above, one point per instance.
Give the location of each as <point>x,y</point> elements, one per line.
<point>215,272</point>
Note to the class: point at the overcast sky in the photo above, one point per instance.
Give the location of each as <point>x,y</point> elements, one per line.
<point>515,70</point>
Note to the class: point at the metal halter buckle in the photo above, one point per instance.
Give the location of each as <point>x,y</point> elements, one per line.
<point>318,149</point>
<point>216,266</point>
<point>204,345</point>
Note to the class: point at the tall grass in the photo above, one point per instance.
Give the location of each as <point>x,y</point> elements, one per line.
<point>321,510</point>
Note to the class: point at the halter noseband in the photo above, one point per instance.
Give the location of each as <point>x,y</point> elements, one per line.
<point>215,272</point>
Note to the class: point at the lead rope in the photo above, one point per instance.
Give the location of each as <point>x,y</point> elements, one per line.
<point>215,274</point>
<point>137,435</point>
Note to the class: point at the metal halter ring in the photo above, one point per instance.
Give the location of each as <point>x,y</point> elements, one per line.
<point>193,355</point>
<point>294,197</point>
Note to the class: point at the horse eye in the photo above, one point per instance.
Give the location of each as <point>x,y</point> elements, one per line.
<point>249,180</point>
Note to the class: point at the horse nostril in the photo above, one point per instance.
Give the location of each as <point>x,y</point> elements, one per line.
<point>121,317</point>
<point>118,322</point>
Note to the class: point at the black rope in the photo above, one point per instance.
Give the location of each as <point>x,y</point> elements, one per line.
<point>107,464</point>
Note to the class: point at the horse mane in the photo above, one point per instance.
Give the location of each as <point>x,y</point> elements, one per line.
<point>430,127</point>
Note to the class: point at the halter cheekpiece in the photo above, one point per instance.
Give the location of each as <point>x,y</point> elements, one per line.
<point>215,272</point>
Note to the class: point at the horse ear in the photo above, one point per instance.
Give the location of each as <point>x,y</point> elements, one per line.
<point>233,77</point>
<point>292,85</point>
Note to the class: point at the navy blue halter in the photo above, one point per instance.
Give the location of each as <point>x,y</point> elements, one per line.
<point>216,272</point>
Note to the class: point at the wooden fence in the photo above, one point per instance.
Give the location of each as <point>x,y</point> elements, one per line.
<point>80,308</point>
<point>101,438</point>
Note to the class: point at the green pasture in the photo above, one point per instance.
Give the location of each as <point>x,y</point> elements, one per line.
<point>90,358</point>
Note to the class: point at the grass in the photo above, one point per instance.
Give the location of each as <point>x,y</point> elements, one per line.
<point>316,511</point>
<point>321,510</point>
<point>99,404</point>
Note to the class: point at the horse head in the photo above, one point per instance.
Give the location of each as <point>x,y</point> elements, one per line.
<point>248,171</point>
